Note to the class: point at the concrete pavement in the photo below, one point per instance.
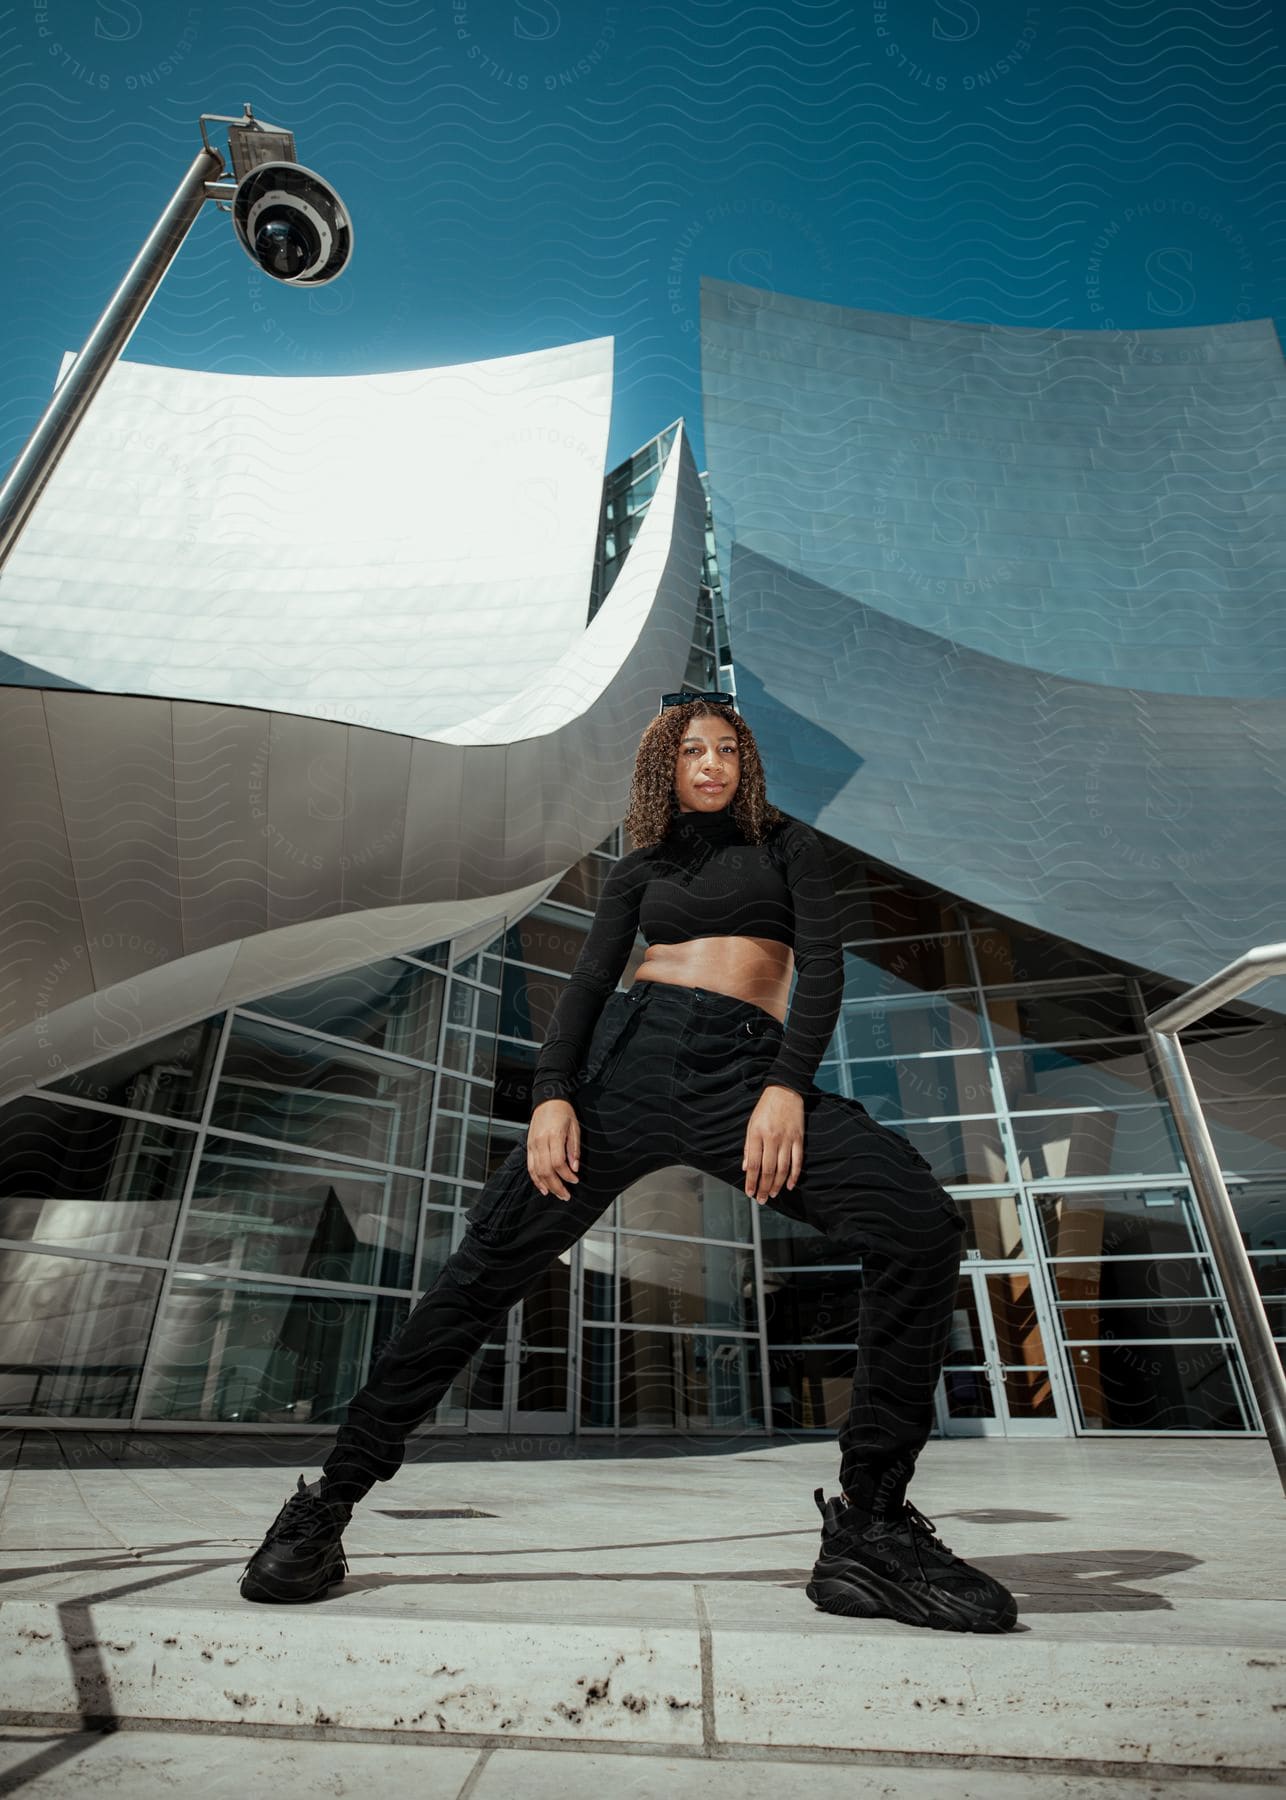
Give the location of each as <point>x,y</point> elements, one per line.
<point>572,1614</point>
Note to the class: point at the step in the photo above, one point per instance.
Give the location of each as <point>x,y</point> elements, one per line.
<point>657,1606</point>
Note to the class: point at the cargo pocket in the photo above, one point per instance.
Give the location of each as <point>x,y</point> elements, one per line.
<point>610,1037</point>
<point>899,1141</point>
<point>919,1161</point>
<point>501,1201</point>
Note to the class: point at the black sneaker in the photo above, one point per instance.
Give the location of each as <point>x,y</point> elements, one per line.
<point>302,1555</point>
<point>898,1569</point>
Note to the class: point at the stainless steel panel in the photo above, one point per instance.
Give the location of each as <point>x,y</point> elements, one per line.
<point>42,960</point>
<point>304,829</point>
<point>115,761</point>
<point>375,818</point>
<point>435,796</point>
<point>481,822</point>
<point>221,813</point>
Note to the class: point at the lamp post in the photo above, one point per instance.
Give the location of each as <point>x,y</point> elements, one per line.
<point>288,219</point>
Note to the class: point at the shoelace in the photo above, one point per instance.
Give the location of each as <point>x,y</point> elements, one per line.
<point>300,1517</point>
<point>918,1527</point>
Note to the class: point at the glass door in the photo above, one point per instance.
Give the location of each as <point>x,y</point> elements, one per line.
<point>521,1379</point>
<point>997,1381</point>
<point>540,1386</point>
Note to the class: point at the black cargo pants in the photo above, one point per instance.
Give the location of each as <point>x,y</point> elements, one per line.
<point>672,1076</point>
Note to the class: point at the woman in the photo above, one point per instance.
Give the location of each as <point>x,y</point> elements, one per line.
<point>699,1065</point>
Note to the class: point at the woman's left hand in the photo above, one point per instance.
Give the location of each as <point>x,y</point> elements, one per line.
<point>774,1143</point>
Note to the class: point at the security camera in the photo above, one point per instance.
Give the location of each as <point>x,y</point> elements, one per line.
<point>293,224</point>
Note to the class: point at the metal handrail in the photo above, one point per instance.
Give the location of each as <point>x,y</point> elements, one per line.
<point>1249,1319</point>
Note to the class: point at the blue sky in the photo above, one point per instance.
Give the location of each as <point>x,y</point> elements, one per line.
<point>531,172</point>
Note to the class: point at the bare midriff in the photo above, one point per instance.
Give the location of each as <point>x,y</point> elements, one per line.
<point>746,968</point>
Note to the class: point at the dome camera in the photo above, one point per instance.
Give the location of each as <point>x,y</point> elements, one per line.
<point>293,224</point>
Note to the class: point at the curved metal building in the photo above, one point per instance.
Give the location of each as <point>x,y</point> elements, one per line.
<point>303,678</point>
<point>1006,608</point>
<point>289,904</point>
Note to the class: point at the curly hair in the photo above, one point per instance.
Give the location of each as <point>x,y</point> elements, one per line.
<point>652,799</point>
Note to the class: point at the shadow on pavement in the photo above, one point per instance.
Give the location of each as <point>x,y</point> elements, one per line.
<point>1068,1581</point>
<point>62,1748</point>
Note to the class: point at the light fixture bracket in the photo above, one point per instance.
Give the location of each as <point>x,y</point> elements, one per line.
<point>251,142</point>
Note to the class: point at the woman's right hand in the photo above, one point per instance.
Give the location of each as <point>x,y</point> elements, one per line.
<point>553,1146</point>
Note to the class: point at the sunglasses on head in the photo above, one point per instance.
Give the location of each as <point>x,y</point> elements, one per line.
<point>685,695</point>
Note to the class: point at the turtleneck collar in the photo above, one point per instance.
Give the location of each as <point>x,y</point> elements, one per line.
<point>706,828</point>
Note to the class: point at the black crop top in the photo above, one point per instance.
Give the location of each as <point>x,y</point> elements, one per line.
<point>704,879</point>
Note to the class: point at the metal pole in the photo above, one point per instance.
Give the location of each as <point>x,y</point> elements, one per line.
<point>44,448</point>
<point>1249,1319</point>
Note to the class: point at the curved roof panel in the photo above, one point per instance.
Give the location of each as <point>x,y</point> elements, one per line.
<point>166,855</point>
<point>1006,610</point>
<point>378,548</point>
<point>1104,505</point>
<point>1149,827</point>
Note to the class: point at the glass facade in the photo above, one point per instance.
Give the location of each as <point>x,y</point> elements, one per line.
<point>223,1226</point>
<point>627,492</point>
<point>220,1228</point>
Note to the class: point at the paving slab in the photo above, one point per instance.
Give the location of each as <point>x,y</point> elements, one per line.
<point>533,1775</point>
<point>652,1599</point>
<point>155,1765</point>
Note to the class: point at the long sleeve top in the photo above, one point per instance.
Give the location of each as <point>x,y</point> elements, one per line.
<point>704,879</point>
